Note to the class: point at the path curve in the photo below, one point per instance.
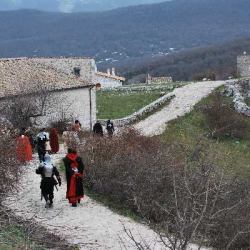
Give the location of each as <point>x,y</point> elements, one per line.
<point>183,102</point>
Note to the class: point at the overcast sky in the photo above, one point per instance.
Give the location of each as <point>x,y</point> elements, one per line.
<point>70,5</point>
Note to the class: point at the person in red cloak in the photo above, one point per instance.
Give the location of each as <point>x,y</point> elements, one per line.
<point>24,150</point>
<point>74,174</point>
<point>54,141</point>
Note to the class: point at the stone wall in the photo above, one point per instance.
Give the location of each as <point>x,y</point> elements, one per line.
<point>140,113</point>
<point>86,66</point>
<point>243,65</point>
<point>151,79</point>
<point>239,90</point>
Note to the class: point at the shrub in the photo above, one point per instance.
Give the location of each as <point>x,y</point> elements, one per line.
<point>223,120</point>
<point>179,190</point>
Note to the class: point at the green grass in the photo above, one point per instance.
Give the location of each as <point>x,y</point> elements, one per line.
<point>232,153</point>
<point>115,104</point>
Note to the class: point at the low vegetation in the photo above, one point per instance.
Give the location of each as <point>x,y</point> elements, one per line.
<point>191,183</point>
<point>119,104</point>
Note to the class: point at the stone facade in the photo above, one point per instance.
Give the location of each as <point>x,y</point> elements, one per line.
<point>243,65</point>
<point>74,104</point>
<point>84,68</point>
<point>158,80</point>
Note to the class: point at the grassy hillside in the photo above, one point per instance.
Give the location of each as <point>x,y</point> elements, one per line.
<point>233,152</point>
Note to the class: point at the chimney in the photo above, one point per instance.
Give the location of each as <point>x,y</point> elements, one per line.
<point>113,71</point>
<point>108,72</point>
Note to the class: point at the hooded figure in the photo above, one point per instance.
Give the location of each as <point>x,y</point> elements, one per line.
<point>97,129</point>
<point>24,150</point>
<point>74,174</point>
<point>54,141</point>
<point>41,139</point>
<point>47,170</point>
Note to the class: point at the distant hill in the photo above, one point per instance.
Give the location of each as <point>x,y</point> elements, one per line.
<point>126,34</point>
<point>71,5</point>
<point>212,62</point>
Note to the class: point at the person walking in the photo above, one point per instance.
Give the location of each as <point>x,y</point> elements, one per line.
<point>54,144</point>
<point>24,150</point>
<point>74,174</point>
<point>97,129</point>
<point>41,139</point>
<point>47,170</point>
<point>110,128</point>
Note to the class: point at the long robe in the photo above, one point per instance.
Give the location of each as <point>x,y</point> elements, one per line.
<point>24,150</point>
<point>74,179</point>
<point>54,141</point>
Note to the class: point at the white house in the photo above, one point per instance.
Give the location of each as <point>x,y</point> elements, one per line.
<point>66,85</point>
<point>108,80</point>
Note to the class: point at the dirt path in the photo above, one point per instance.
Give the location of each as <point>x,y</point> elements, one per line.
<point>184,100</point>
<point>90,225</point>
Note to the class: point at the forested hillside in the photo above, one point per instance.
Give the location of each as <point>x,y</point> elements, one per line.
<point>213,62</point>
<point>126,34</point>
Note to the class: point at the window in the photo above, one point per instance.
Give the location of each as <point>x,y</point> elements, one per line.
<point>77,71</point>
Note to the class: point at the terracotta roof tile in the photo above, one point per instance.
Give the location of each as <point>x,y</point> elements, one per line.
<point>110,76</point>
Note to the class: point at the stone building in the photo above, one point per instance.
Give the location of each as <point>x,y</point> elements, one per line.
<point>243,65</point>
<point>65,84</point>
<point>158,80</point>
<point>108,80</point>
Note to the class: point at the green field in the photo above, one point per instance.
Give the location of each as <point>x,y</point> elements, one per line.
<point>119,104</point>
<point>231,152</point>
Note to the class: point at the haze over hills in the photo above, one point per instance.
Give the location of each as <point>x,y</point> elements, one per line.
<point>71,5</point>
<point>126,34</point>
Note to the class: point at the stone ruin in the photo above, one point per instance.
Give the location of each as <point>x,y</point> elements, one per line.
<point>240,91</point>
<point>158,80</point>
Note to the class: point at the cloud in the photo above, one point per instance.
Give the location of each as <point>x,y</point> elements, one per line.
<point>15,2</point>
<point>68,6</point>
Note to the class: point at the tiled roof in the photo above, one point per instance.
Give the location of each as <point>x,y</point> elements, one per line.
<point>25,75</point>
<point>110,76</point>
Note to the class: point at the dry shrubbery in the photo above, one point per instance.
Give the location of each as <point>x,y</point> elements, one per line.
<point>224,121</point>
<point>181,191</point>
<point>9,165</point>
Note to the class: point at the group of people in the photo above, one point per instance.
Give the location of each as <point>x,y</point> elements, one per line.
<point>47,144</point>
<point>98,130</point>
<point>51,178</point>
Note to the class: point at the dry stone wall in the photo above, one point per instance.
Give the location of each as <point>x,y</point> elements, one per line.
<point>239,90</point>
<point>142,112</point>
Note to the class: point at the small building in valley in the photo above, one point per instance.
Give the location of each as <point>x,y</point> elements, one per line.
<point>158,80</point>
<point>108,80</point>
<point>243,65</point>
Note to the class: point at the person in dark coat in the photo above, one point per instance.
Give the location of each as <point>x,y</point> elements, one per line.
<point>54,144</point>
<point>74,174</point>
<point>47,170</point>
<point>41,139</point>
<point>110,128</point>
<point>97,129</point>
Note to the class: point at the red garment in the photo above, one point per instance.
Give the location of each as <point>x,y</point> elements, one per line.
<point>54,141</point>
<point>24,150</point>
<point>72,194</point>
